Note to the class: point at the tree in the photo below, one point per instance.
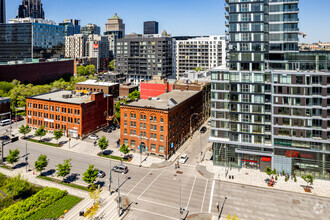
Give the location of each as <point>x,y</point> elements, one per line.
<point>309,179</point>
<point>134,95</point>
<point>24,130</point>
<point>58,134</point>
<point>41,163</point>
<point>124,149</point>
<point>40,132</point>
<point>90,69</point>
<point>81,71</point>
<point>103,143</point>
<point>268,171</point>
<point>90,175</point>
<point>112,65</point>
<point>64,169</point>
<point>13,156</point>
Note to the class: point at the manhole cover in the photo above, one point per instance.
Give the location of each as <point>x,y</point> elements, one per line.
<point>296,201</point>
<point>179,172</point>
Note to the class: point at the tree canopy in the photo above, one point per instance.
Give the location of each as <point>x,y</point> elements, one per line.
<point>40,132</point>
<point>41,163</point>
<point>134,95</point>
<point>103,143</point>
<point>124,149</point>
<point>90,175</point>
<point>112,65</point>
<point>85,70</point>
<point>58,134</point>
<point>24,129</point>
<point>64,169</point>
<point>13,156</point>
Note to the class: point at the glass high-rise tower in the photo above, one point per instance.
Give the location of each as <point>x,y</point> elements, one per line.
<point>264,111</point>
<point>2,12</point>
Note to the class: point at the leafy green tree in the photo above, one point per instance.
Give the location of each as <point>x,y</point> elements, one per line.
<point>309,179</point>
<point>58,134</point>
<point>90,175</point>
<point>41,163</point>
<point>103,143</point>
<point>17,187</point>
<point>64,169</point>
<point>134,95</point>
<point>112,65</point>
<point>40,132</point>
<point>90,69</point>
<point>268,171</point>
<point>82,71</point>
<point>124,149</point>
<point>24,129</point>
<point>13,156</point>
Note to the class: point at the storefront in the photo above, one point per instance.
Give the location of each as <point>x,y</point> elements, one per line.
<point>305,162</point>
<point>73,133</point>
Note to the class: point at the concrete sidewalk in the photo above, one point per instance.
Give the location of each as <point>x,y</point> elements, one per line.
<point>256,178</point>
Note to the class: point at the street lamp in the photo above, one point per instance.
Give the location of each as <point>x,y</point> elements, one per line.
<point>110,177</point>
<point>26,157</point>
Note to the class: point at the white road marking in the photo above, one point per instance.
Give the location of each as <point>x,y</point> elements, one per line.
<point>192,188</point>
<point>151,184</point>
<point>139,181</point>
<point>211,196</point>
<point>153,213</point>
<point>161,204</point>
<point>207,181</point>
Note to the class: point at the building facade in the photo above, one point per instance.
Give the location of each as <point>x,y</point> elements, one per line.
<point>150,27</point>
<point>161,125</point>
<point>2,11</point>
<point>95,86</point>
<point>270,108</point>
<point>31,8</point>
<point>127,88</point>
<point>69,112</point>
<point>31,40</point>
<point>90,29</point>
<point>139,58</point>
<point>75,46</point>
<point>5,110</point>
<point>97,46</point>
<point>114,29</point>
<point>72,26</point>
<point>201,52</point>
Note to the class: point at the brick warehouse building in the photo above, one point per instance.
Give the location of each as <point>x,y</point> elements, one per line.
<point>76,114</point>
<point>162,124</point>
<point>97,86</point>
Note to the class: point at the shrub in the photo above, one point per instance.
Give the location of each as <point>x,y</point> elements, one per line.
<point>23,209</point>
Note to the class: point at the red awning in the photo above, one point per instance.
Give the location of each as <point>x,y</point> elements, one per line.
<point>266,159</point>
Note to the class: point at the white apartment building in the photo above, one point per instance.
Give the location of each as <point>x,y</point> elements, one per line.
<point>97,46</point>
<point>75,46</point>
<point>204,52</point>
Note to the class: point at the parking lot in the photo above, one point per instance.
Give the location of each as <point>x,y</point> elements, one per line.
<point>112,137</point>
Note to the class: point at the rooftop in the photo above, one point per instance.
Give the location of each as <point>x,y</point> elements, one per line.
<point>165,101</point>
<point>115,17</point>
<point>96,83</point>
<point>64,96</point>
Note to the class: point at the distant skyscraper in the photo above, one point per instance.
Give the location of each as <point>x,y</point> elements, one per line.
<point>150,27</point>
<point>90,29</point>
<point>2,11</point>
<point>72,26</point>
<point>114,29</point>
<point>31,8</point>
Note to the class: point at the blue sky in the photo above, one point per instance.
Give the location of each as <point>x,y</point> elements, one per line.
<point>177,17</point>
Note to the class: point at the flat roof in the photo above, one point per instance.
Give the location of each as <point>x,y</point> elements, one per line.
<point>96,83</point>
<point>165,101</point>
<point>57,96</point>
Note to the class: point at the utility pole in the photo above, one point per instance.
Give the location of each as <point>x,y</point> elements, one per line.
<point>1,151</point>
<point>200,143</point>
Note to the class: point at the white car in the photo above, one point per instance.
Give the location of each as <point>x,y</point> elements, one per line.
<point>93,137</point>
<point>183,158</point>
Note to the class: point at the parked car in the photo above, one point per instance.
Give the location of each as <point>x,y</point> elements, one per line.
<point>5,122</point>
<point>93,137</point>
<point>183,158</point>
<point>112,127</point>
<point>117,125</point>
<point>5,138</point>
<point>18,118</point>
<point>203,130</point>
<point>101,174</point>
<point>120,169</point>
<point>128,157</point>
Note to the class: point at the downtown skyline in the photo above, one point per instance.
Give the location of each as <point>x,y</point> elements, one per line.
<point>135,13</point>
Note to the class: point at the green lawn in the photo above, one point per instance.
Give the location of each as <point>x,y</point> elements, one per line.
<point>43,142</point>
<point>66,184</point>
<point>56,209</point>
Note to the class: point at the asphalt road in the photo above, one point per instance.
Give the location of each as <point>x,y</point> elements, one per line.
<point>157,191</point>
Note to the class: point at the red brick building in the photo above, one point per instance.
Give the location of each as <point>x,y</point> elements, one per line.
<point>5,110</point>
<point>154,87</point>
<point>76,114</point>
<point>126,89</point>
<point>161,125</point>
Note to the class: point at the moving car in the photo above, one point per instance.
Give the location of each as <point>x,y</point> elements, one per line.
<point>183,158</point>
<point>101,174</point>
<point>5,138</point>
<point>203,130</point>
<point>120,169</point>
<point>209,122</point>
<point>93,137</point>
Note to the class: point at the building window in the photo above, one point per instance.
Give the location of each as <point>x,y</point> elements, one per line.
<point>161,128</point>
<point>161,137</point>
<point>161,120</point>
<point>161,149</point>
<point>132,143</point>
<point>125,131</point>
<point>153,147</point>
<point>125,123</point>
<point>125,141</point>
<point>151,118</point>
<point>125,115</point>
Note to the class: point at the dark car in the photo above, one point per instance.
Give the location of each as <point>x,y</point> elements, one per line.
<point>101,174</point>
<point>5,138</point>
<point>18,118</point>
<point>203,130</point>
<point>120,169</point>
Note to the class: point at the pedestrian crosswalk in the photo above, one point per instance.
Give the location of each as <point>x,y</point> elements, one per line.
<point>108,208</point>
